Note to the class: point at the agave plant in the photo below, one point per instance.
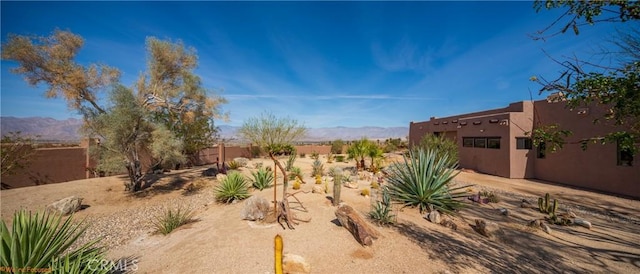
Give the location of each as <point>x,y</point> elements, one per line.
<point>317,168</point>
<point>381,212</point>
<point>262,179</point>
<point>233,187</point>
<point>40,241</point>
<point>424,179</point>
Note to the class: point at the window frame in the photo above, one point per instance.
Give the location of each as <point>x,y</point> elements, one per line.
<point>483,141</point>
<point>527,143</point>
<point>623,157</point>
<point>467,139</point>
<point>493,139</point>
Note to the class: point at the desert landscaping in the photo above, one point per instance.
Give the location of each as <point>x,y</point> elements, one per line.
<point>218,240</point>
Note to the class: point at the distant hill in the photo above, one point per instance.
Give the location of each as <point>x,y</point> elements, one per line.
<point>46,128</point>
<point>67,130</point>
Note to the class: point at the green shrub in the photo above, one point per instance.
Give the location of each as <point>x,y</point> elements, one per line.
<point>381,212</point>
<point>315,155</point>
<point>262,179</point>
<point>339,158</point>
<point>295,172</point>
<point>233,187</point>
<point>172,218</point>
<point>39,241</point>
<point>443,147</point>
<point>423,180</point>
<point>336,146</point>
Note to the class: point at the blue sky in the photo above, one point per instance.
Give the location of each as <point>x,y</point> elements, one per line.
<point>322,63</point>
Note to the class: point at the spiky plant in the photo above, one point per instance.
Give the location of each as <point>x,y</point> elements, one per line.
<point>41,241</point>
<point>381,212</point>
<point>424,179</point>
<point>317,168</point>
<point>295,172</point>
<point>172,218</point>
<point>290,161</point>
<point>262,179</point>
<point>233,187</point>
<point>233,165</point>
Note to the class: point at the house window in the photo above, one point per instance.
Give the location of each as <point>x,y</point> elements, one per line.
<point>480,142</point>
<point>493,143</point>
<point>523,143</point>
<point>542,151</point>
<point>625,157</point>
<point>467,142</point>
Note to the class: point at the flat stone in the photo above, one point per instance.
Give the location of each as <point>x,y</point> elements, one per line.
<point>583,223</point>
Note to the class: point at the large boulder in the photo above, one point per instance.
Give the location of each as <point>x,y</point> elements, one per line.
<point>66,206</point>
<point>210,172</point>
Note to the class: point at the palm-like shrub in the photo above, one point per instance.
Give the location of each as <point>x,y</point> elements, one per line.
<point>41,241</point>
<point>233,187</point>
<point>262,179</point>
<point>424,179</point>
<point>172,218</point>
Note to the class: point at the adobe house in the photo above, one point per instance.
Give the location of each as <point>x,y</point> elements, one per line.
<point>496,142</point>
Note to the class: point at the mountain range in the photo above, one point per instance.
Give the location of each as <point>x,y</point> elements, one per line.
<point>67,130</point>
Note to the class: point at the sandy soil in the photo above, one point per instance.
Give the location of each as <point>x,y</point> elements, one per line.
<point>221,242</point>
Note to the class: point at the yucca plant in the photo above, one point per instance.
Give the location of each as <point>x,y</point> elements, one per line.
<point>262,179</point>
<point>424,179</point>
<point>381,212</point>
<point>233,187</point>
<point>233,165</point>
<point>172,218</point>
<point>40,241</point>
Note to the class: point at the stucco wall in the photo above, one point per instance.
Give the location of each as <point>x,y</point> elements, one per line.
<point>595,168</point>
<point>51,165</point>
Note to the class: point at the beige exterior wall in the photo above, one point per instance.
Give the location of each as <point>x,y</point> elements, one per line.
<point>596,168</point>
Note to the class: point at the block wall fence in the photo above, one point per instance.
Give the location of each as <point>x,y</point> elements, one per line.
<point>56,165</point>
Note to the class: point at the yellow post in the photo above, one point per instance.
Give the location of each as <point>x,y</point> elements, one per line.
<point>278,254</point>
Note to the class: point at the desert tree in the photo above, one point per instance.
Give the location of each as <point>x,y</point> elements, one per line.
<point>273,135</point>
<point>51,60</point>
<point>167,107</point>
<point>614,85</point>
<point>176,97</point>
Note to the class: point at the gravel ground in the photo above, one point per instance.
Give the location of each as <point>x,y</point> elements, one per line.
<point>121,227</point>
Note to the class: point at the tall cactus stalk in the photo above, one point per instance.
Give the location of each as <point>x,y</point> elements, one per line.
<point>546,202</point>
<point>337,187</point>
